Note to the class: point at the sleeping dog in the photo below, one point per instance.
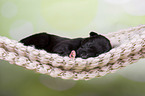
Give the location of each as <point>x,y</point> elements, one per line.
<point>91,46</point>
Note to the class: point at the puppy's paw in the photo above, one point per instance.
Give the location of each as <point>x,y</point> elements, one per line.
<point>72,54</point>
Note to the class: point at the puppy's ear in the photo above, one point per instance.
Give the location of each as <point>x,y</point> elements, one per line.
<point>93,34</point>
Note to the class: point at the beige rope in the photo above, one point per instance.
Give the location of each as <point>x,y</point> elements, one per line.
<point>128,47</point>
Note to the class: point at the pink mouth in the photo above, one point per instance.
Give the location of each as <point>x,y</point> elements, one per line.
<point>72,54</point>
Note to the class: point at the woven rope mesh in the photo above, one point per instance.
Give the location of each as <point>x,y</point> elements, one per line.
<point>128,47</point>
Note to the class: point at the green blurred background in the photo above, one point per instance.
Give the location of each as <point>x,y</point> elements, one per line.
<point>71,18</point>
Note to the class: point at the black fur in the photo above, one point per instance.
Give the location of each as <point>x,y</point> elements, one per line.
<point>93,46</point>
<point>84,47</point>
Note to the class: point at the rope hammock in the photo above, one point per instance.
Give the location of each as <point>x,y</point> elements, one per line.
<point>128,47</point>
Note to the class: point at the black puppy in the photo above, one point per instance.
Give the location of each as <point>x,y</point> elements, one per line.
<point>84,47</point>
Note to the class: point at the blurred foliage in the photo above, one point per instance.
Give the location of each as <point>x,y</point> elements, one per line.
<point>73,18</point>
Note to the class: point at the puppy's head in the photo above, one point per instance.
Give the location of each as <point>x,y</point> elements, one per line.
<point>93,46</point>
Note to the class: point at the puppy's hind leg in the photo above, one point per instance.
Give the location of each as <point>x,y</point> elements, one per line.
<point>40,40</point>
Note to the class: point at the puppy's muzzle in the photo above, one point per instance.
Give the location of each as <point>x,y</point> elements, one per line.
<point>82,54</point>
